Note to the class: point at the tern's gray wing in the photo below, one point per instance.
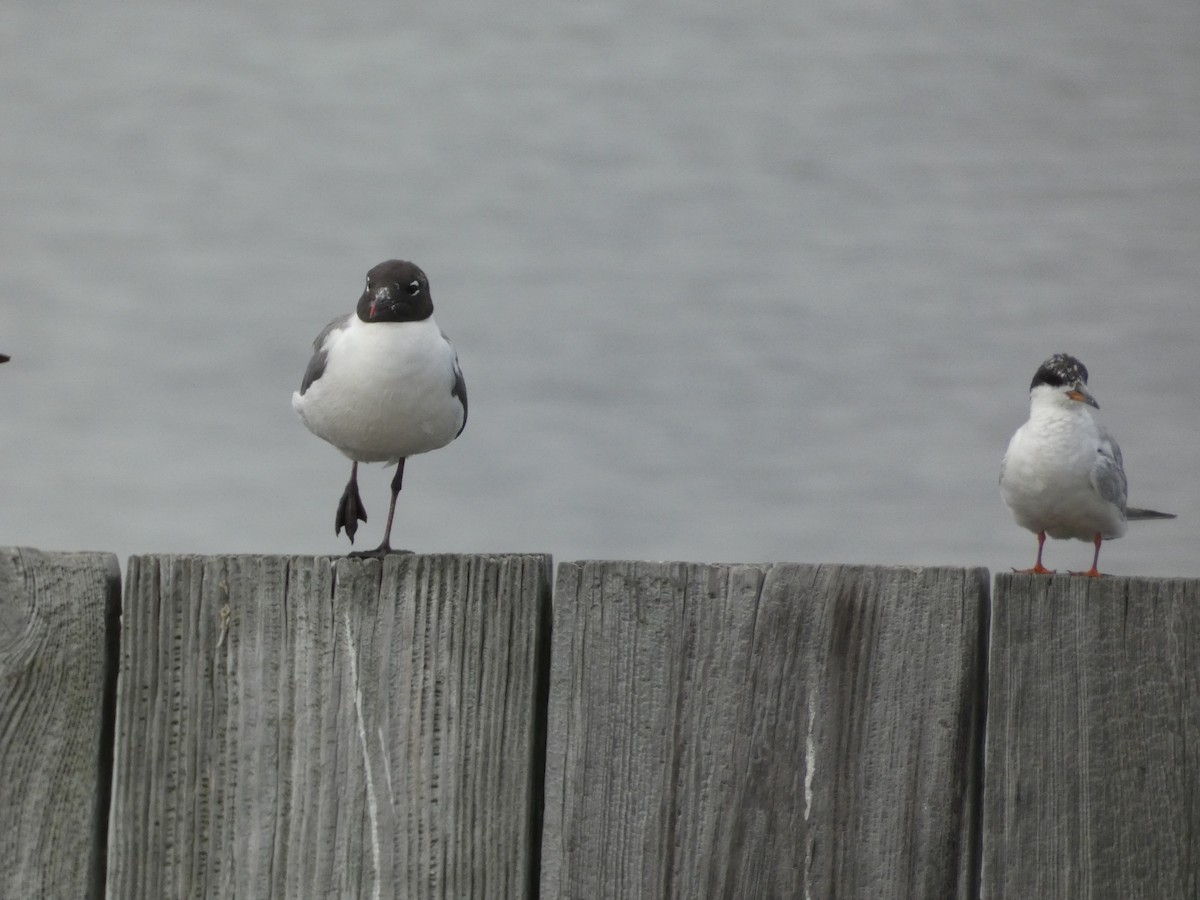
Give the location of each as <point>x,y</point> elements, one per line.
<point>316,365</point>
<point>1108,472</point>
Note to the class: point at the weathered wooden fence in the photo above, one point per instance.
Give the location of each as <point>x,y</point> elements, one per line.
<point>58,648</point>
<point>308,727</point>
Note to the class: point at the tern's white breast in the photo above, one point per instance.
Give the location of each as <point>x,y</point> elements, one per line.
<point>1047,478</point>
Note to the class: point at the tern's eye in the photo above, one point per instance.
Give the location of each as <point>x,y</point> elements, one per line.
<point>414,288</point>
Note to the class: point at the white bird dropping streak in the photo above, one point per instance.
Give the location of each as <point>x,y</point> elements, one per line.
<point>1063,475</point>
<point>810,773</point>
<point>810,755</point>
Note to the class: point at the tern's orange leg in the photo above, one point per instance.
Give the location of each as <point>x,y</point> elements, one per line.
<point>1038,568</point>
<point>1093,572</point>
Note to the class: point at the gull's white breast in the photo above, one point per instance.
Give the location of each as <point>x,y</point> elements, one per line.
<point>386,391</point>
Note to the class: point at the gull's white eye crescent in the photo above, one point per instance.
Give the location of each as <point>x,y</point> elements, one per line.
<point>414,287</point>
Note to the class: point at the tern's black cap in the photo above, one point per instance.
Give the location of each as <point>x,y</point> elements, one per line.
<point>1060,370</point>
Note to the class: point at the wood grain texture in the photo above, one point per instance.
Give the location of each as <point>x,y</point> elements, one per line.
<point>746,731</point>
<point>305,727</point>
<point>58,625</point>
<point>1093,739</point>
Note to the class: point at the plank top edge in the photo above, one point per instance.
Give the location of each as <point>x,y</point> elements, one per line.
<point>1022,580</point>
<point>103,558</point>
<point>769,564</point>
<point>306,557</point>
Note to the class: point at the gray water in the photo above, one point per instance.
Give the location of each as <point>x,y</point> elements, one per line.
<point>728,283</point>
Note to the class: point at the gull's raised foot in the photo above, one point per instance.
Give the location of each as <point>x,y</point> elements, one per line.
<point>350,511</point>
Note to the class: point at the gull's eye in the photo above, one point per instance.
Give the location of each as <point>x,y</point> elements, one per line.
<point>414,288</point>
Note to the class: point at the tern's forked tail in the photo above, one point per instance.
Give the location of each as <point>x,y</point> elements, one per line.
<point>1133,514</point>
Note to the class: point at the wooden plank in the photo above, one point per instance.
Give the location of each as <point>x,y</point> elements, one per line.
<point>59,615</point>
<point>305,727</point>
<point>1093,739</point>
<point>754,731</point>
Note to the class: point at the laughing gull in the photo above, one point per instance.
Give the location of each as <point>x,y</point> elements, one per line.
<point>383,385</point>
<point>1063,475</point>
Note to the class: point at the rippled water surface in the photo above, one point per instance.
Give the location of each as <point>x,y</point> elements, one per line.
<point>753,283</point>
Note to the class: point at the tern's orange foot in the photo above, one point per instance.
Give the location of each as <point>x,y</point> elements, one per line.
<point>1039,569</point>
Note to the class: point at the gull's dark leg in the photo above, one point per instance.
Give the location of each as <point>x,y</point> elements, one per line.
<point>386,547</point>
<point>350,508</point>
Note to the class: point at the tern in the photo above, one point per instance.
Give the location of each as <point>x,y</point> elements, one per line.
<point>1063,475</point>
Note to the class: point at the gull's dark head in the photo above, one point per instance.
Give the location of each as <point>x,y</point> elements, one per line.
<point>1064,374</point>
<point>396,291</point>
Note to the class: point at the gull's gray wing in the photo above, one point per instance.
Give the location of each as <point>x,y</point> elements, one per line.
<point>1108,472</point>
<point>460,384</point>
<point>316,365</point>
